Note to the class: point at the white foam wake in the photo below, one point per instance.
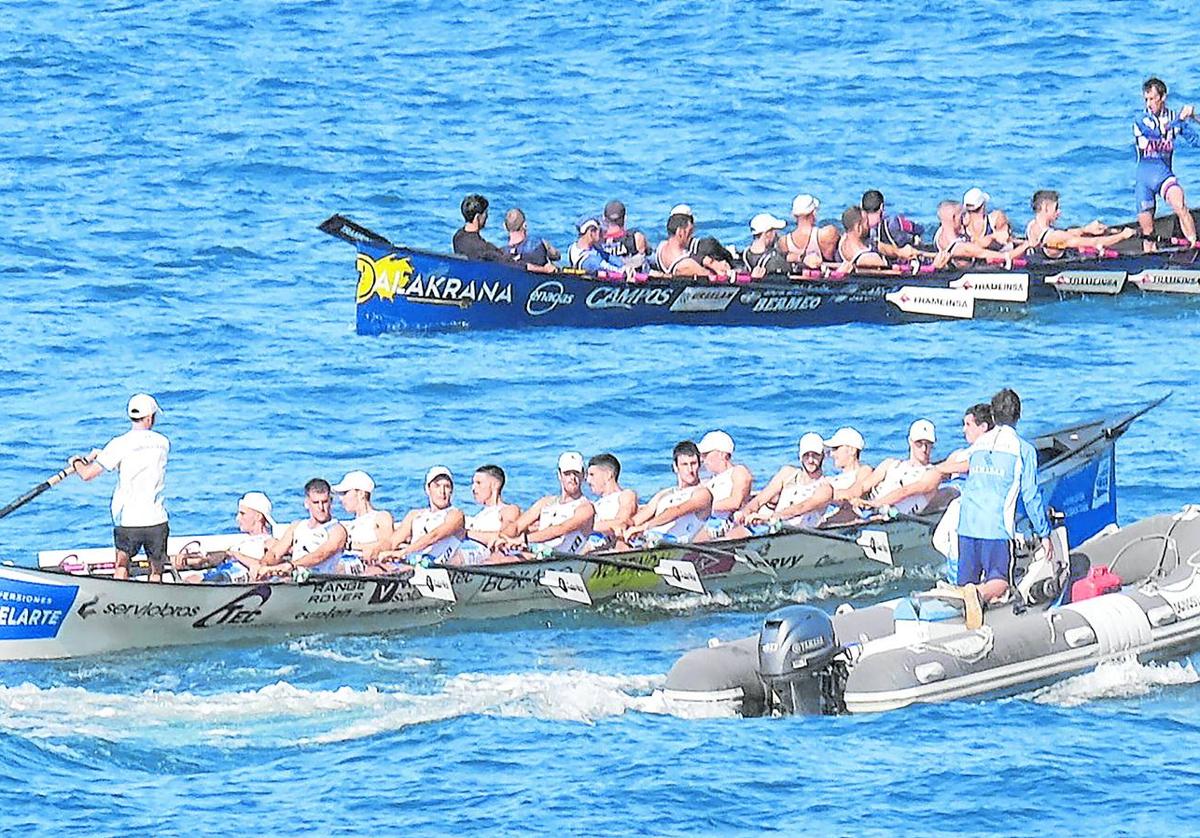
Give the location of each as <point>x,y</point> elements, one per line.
<point>282,714</point>
<point>1121,678</point>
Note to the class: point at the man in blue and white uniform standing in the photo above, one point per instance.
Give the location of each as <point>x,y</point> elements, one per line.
<point>1154,134</point>
<point>1001,466</point>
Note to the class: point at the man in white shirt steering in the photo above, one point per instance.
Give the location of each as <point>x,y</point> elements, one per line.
<point>139,456</point>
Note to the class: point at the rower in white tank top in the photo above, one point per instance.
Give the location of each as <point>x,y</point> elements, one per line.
<point>721,486</point>
<point>425,522</point>
<point>683,528</point>
<point>608,506</point>
<point>902,473</point>
<point>488,519</point>
<point>361,530</point>
<point>556,513</point>
<point>306,538</point>
<point>798,491</point>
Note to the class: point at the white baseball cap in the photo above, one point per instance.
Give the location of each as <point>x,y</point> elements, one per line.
<point>811,443</point>
<point>922,429</point>
<point>141,406</point>
<point>975,198</point>
<point>764,221</point>
<point>804,205</point>
<point>570,461</point>
<point>260,503</point>
<point>357,480</point>
<point>846,436</point>
<point>716,441</point>
<point>436,472</point>
<point>681,209</point>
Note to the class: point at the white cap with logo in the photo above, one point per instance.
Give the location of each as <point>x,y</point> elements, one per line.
<point>141,406</point>
<point>975,198</point>
<point>570,461</point>
<point>681,209</point>
<point>359,480</point>
<point>436,472</point>
<point>846,436</point>
<point>811,443</point>
<point>260,503</point>
<point>716,441</point>
<point>922,429</point>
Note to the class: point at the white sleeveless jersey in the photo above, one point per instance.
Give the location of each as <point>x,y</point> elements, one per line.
<point>306,538</point>
<point>901,473</point>
<point>361,531</point>
<point>608,506</point>
<point>428,520</point>
<point>556,513</point>
<point>254,546</point>
<point>798,491</point>
<point>843,481</point>
<point>685,527</point>
<point>486,519</point>
<point>721,486</point>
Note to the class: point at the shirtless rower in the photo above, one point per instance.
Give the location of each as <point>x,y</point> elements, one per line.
<point>241,562</point>
<point>1053,241</point>
<point>730,483</point>
<point>370,528</point>
<point>615,506</point>
<point>808,244</point>
<point>677,513</point>
<point>796,496</point>
<point>853,249</point>
<point>559,522</point>
<point>761,256</point>
<point>314,544</point>
<point>431,533</point>
<point>677,256</point>
<point>899,483</point>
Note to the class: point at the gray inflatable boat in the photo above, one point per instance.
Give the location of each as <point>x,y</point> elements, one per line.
<point>927,647</point>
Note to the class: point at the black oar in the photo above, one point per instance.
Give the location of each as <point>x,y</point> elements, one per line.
<point>52,480</point>
<point>343,228</point>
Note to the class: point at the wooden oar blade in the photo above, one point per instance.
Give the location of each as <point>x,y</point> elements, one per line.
<point>433,583</point>
<point>680,574</point>
<point>566,584</point>
<point>876,546</point>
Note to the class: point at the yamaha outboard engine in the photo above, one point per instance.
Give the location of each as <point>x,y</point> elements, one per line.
<point>796,659</point>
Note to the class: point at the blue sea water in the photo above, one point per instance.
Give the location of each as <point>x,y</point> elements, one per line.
<point>164,167</point>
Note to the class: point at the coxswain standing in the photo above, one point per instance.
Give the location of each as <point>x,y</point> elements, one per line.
<point>1154,134</point>
<point>139,456</point>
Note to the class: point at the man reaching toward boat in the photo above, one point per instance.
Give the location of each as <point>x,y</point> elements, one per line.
<point>1000,466</point>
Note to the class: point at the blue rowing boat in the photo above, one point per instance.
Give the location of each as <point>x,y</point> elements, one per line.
<point>402,288</point>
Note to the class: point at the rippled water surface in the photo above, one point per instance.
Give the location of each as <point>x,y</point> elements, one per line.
<point>164,167</point>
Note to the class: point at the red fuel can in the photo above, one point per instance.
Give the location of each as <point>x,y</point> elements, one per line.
<point>1100,580</point>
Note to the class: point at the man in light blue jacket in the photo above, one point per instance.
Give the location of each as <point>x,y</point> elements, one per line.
<point>1001,467</point>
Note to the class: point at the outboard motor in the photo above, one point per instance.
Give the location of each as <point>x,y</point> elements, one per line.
<point>796,659</point>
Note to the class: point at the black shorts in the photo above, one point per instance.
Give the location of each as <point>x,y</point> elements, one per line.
<point>130,540</point>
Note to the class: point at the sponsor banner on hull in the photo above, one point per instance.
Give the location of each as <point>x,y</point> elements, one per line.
<point>618,296</point>
<point>1168,281</point>
<point>774,300</point>
<point>1006,287</point>
<point>704,299</point>
<point>546,297</point>
<point>1089,282</point>
<point>937,302</point>
<point>31,611</point>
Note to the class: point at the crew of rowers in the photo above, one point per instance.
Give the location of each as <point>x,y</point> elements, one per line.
<point>712,496</point>
<point>869,238</point>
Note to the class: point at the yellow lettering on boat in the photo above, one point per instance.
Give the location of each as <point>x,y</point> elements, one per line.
<point>383,277</point>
